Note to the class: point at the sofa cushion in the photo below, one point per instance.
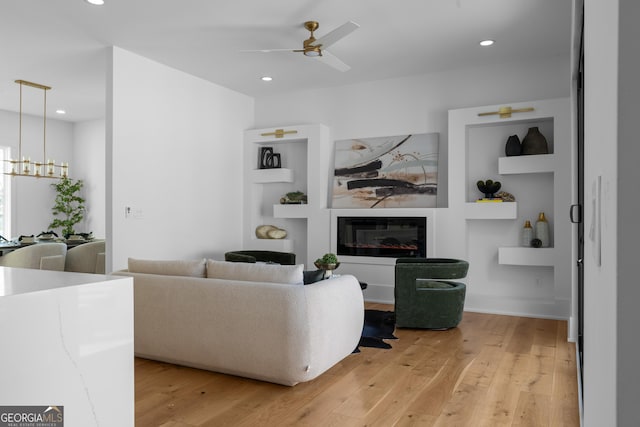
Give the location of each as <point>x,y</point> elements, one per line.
<point>272,273</point>
<point>192,268</point>
<point>313,276</point>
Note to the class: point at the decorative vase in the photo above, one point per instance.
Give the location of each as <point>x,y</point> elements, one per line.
<point>534,142</point>
<point>542,230</point>
<point>328,268</point>
<point>527,234</point>
<point>513,146</point>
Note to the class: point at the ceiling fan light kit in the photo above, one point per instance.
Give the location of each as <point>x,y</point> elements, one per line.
<point>312,51</point>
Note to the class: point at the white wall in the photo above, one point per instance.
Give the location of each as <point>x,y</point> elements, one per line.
<point>89,166</point>
<point>416,104</point>
<point>601,149</point>
<point>174,150</point>
<point>32,199</point>
<point>611,349</point>
<point>628,234</point>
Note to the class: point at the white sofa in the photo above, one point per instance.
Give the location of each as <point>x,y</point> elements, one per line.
<point>252,320</point>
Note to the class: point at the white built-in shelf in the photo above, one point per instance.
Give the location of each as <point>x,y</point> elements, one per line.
<point>538,163</point>
<point>279,245</point>
<point>290,211</point>
<point>544,257</point>
<point>265,176</point>
<point>490,210</point>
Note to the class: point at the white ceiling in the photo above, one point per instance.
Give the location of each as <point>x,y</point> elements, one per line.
<point>63,43</point>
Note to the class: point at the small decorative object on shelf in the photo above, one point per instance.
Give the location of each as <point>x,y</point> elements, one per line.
<point>506,197</point>
<point>489,188</point>
<point>267,159</point>
<point>542,230</point>
<point>328,263</point>
<point>294,198</point>
<point>513,146</point>
<point>536,243</point>
<point>276,161</point>
<point>270,232</point>
<point>534,142</point>
<point>527,234</point>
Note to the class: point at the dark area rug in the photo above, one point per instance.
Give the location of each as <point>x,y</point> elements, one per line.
<point>378,326</point>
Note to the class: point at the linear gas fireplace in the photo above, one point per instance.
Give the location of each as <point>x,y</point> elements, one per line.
<point>380,236</point>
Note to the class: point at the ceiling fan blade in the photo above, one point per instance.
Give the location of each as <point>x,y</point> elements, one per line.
<point>335,35</point>
<point>333,61</point>
<point>267,50</point>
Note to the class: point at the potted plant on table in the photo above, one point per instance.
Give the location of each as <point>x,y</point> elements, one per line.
<point>68,204</point>
<point>328,262</point>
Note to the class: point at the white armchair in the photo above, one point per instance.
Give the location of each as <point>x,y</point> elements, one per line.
<point>41,256</point>
<point>86,258</point>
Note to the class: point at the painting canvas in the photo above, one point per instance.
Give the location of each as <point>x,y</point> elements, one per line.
<point>386,172</point>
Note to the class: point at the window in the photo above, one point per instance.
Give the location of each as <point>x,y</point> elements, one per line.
<point>5,196</point>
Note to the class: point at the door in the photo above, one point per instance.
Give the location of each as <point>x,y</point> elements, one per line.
<point>576,210</point>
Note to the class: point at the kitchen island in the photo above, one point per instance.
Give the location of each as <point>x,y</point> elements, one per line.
<point>66,341</point>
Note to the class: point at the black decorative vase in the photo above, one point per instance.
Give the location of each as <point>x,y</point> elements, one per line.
<point>534,142</point>
<point>513,146</point>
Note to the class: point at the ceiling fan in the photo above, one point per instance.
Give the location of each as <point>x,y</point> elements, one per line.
<point>314,48</point>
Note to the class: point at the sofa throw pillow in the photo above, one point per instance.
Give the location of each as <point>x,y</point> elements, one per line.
<point>192,268</point>
<point>272,273</point>
<point>313,276</point>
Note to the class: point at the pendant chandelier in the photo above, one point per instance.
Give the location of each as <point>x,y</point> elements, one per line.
<point>23,166</point>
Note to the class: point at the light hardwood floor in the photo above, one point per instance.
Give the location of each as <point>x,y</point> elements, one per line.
<point>489,371</point>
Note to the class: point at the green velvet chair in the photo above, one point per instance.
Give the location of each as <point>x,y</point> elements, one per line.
<point>425,296</point>
<point>283,258</point>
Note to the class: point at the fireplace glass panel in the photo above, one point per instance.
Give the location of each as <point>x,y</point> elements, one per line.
<point>394,237</point>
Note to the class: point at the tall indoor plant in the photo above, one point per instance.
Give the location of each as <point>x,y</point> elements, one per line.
<point>68,204</point>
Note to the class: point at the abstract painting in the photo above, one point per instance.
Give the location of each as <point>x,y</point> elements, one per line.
<point>386,172</point>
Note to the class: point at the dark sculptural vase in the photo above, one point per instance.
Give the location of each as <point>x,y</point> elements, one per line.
<point>534,142</point>
<point>513,146</point>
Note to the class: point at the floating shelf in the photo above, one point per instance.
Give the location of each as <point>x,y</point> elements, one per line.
<point>538,163</point>
<point>489,210</point>
<point>280,245</point>
<point>265,176</point>
<point>544,257</point>
<point>291,211</point>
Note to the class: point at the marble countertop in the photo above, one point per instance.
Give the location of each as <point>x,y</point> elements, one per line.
<point>16,281</point>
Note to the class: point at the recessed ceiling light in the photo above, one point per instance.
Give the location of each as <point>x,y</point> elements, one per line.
<point>486,42</point>
<point>266,78</point>
<point>95,2</point>
<point>60,111</point>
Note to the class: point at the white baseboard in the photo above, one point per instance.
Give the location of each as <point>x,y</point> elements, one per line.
<point>541,309</point>
<point>382,294</point>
